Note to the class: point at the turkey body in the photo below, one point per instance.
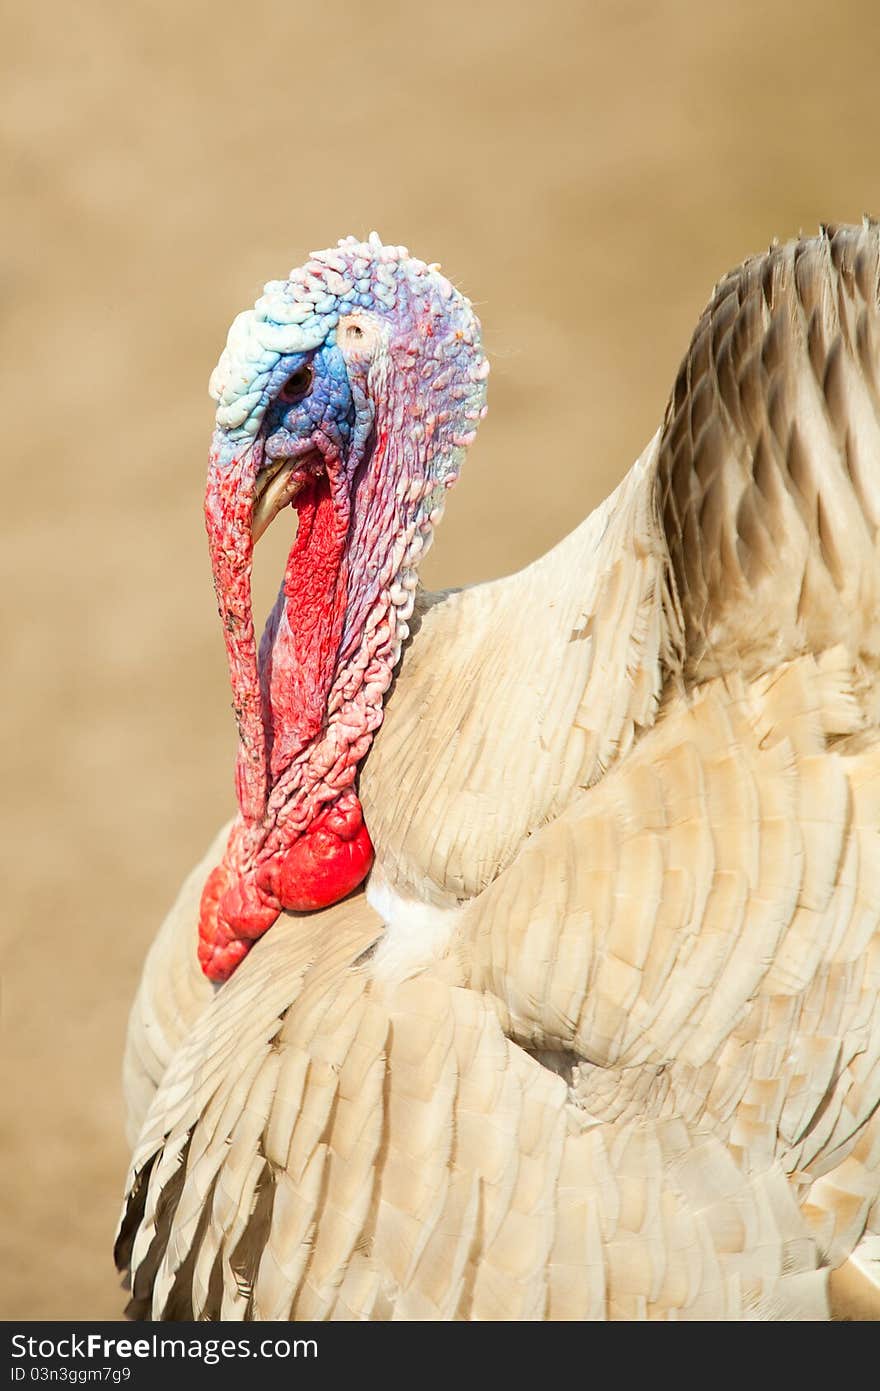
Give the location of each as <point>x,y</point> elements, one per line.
<point>601,1037</point>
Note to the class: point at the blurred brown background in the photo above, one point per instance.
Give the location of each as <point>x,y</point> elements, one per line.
<point>584,171</point>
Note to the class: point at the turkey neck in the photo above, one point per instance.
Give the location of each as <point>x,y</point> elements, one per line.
<point>300,644</point>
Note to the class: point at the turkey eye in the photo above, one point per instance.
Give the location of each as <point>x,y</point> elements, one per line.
<point>297,385</point>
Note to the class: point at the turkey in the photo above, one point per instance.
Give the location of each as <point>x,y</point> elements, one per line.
<point>538,975</point>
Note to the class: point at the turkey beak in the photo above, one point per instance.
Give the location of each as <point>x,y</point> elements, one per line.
<point>275,487</point>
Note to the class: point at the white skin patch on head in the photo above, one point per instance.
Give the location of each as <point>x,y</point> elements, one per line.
<point>358,335</point>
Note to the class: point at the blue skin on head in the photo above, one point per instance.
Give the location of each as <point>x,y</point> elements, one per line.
<point>333,411</point>
<point>428,327</point>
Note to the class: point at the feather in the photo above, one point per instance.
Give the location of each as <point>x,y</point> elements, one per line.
<point>602,1039</point>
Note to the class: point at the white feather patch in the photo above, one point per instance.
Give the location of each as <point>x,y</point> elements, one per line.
<point>416,933</point>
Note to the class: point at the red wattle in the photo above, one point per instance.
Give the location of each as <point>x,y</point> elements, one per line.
<point>281,704</point>
<point>325,864</point>
<point>231,917</point>
<point>328,861</point>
